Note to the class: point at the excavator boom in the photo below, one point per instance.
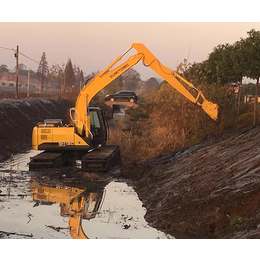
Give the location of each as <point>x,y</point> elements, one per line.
<point>170,76</point>
<point>103,78</point>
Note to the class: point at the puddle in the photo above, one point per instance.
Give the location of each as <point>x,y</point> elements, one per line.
<point>119,112</point>
<point>63,204</point>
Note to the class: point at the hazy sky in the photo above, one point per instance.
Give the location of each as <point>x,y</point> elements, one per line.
<point>93,45</point>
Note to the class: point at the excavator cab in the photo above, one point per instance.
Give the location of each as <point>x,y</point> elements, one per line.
<point>98,126</point>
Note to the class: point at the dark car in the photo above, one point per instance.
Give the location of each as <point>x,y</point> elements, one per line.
<point>123,95</point>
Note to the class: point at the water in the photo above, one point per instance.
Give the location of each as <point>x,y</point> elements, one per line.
<point>67,203</point>
<point>120,112</point>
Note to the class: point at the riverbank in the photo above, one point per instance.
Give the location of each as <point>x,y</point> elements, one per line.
<point>17,119</point>
<point>210,190</point>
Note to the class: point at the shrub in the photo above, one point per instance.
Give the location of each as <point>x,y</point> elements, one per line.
<point>168,121</point>
<point>137,113</point>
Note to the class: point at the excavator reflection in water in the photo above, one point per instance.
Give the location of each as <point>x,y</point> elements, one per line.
<point>77,201</point>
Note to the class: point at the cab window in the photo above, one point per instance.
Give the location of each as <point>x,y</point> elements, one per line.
<point>94,120</point>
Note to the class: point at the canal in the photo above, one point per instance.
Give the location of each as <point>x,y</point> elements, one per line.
<point>66,203</point>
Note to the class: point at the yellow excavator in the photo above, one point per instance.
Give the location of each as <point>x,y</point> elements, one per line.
<point>86,128</point>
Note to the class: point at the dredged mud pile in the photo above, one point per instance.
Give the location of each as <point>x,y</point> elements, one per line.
<point>211,190</point>
<point>17,119</point>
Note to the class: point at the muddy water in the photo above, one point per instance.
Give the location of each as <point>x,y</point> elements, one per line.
<point>119,113</point>
<point>67,203</point>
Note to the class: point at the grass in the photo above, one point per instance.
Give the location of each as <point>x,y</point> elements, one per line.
<point>142,140</point>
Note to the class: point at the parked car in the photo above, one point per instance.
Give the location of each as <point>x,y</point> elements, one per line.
<point>123,95</point>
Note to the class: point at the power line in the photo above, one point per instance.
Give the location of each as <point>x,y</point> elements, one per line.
<point>9,49</point>
<point>29,58</point>
<point>5,50</point>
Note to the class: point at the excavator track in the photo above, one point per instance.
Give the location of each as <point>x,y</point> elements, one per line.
<point>99,159</point>
<point>47,159</point>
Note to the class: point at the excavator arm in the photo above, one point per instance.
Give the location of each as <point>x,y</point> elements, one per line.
<point>75,220</point>
<point>171,77</point>
<point>74,202</point>
<point>103,78</point>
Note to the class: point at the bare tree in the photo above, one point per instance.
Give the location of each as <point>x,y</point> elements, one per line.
<point>69,77</point>
<point>58,72</point>
<point>42,71</point>
<point>79,79</point>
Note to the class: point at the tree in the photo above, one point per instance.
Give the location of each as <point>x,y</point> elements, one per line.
<point>198,73</point>
<point>221,65</point>
<point>152,83</point>
<point>131,79</point>
<point>237,55</point>
<point>251,47</point>
<point>79,79</point>
<point>21,66</point>
<point>183,67</point>
<point>69,77</point>
<point>42,71</point>
<point>57,72</point>
<point>3,68</point>
<point>22,69</point>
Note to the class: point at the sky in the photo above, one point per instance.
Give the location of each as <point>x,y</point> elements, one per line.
<point>94,43</point>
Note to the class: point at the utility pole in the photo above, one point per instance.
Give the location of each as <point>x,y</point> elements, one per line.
<point>28,83</point>
<point>16,56</point>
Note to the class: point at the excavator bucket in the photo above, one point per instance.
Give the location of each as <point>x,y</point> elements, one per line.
<point>211,109</point>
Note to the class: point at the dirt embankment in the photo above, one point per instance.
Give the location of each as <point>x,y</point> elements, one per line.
<point>211,190</point>
<point>17,119</point>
